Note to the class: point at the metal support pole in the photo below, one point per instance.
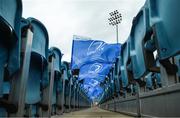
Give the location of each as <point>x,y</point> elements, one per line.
<point>117,34</point>
<point>78,96</point>
<point>74,96</point>
<point>51,87</point>
<point>138,102</point>
<point>63,93</point>
<point>25,73</point>
<point>70,92</point>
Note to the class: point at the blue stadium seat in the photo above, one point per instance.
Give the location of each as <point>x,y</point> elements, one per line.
<point>165,17</point>
<point>60,96</point>
<point>117,76</point>
<point>72,96</point>
<point>116,73</point>
<point>49,93</point>
<point>177,62</point>
<point>157,75</point>
<point>149,83</point>
<point>153,80</point>
<point>142,59</point>
<point>57,88</point>
<point>38,71</point>
<point>67,96</point>
<point>66,75</point>
<point>10,18</point>
<point>10,32</point>
<point>111,82</point>
<point>125,56</point>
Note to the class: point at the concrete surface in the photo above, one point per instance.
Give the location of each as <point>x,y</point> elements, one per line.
<point>94,112</point>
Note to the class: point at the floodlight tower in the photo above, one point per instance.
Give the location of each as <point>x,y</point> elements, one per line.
<point>114,20</point>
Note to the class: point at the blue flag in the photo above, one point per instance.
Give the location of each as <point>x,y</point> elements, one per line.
<point>95,71</point>
<point>90,51</point>
<point>94,58</point>
<point>95,92</point>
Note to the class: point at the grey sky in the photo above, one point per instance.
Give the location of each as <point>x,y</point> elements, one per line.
<point>65,18</point>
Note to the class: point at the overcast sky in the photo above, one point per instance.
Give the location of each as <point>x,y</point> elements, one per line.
<point>65,18</point>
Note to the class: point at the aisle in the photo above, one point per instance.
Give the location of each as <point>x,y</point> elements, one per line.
<point>92,113</point>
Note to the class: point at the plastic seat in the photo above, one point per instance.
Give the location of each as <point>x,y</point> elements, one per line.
<point>38,73</point>
<point>10,18</point>
<point>125,55</point>
<point>157,74</point>
<point>165,17</point>
<point>177,61</point>
<point>116,75</point>
<point>38,61</point>
<point>66,95</point>
<point>66,76</point>
<point>142,59</point>
<point>66,68</point>
<point>72,97</point>
<point>57,88</point>
<point>60,96</point>
<point>149,84</point>
<point>3,61</point>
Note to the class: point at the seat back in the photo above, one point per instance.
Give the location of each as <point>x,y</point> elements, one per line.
<point>59,89</point>
<point>116,75</point>
<point>149,83</point>
<point>125,55</point>
<point>67,89</point>
<point>58,55</point>
<point>142,59</point>
<point>66,69</point>
<point>10,16</point>
<point>38,61</point>
<point>10,33</point>
<point>40,39</point>
<point>33,84</point>
<point>57,76</point>
<point>177,62</point>
<point>165,17</point>
<point>72,96</point>
<point>66,94</point>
